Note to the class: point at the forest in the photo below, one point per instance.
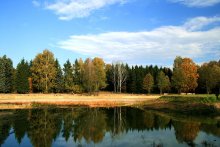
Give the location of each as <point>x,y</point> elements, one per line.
<point>44,74</point>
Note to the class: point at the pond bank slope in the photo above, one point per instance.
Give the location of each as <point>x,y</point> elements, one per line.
<point>188,104</point>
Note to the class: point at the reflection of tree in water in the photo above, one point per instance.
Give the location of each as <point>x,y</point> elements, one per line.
<point>20,124</point>
<point>44,126</point>
<point>119,122</point>
<point>135,119</point>
<point>213,129</point>
<point>162,122</point>
<point>90,125</point>
<point>149,119</point>
<point>208,144</point>
<point>186,131</point>
<point>68,117</point>
<point>4,128</point>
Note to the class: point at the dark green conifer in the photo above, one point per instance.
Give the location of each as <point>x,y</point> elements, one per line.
<point>21,78</point>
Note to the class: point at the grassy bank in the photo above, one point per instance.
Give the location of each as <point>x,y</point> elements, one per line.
<point>188,104</point>
<point>200,98</point>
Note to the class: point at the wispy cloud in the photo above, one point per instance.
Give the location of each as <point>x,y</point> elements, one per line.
<point>157,46</point>
<point>36,3</point>
<point>198,23</point>
<point>197,3</point>
<point>70,9</point>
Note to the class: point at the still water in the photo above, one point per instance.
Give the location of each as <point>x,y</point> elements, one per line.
<point>124,127</point>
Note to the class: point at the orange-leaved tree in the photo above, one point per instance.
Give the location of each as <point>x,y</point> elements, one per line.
<point>185,75</point>
<point>190,73</point>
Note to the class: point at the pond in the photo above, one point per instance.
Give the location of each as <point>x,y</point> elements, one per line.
<point>120,126</point>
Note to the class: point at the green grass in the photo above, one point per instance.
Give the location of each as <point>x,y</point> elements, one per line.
<point>200,98</point>
<point>39,105</point>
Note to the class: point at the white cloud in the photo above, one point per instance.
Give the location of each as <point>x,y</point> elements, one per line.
<point>36,3</point>
<point>197,3</point>
<point>200,22</point>
<point>157,46</point>
<point>70,9</point>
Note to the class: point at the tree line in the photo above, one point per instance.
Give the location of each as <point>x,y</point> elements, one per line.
<point>44,74</point>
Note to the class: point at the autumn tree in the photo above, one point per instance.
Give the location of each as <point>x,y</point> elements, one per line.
<point>89,76</point>
<point>44,71</point>
<point>163,82</point>
<point>185,75</point>
<point>44,126</point>
<point>6,75</point>
<point>68,76</point>
<point>186,131</point>
<point>190,74</point>
<point>22,75</point>
<point>99,67</point>
<point>148,82</point>
<point>209,75</point>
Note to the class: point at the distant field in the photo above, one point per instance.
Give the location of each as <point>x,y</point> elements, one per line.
<point>172,102</point>
<point>9,101</point>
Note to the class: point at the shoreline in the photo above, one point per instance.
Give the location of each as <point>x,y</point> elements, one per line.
<point>177,104</point>
<point>25,101</point>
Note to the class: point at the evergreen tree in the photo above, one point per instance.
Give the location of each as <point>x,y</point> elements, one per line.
<point>22,75</point>
<point>133,85</point>
<point>78,72</point>
<point>139,79</point>
<point>6,75</point>
<point>58,83</point>
<point>30,79</point>
<point>68,76</point>
<point>2,75</point>
<point>108,70</point>
<point>168,72</point>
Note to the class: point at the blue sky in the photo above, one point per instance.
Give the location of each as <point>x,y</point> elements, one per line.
<point>134,31</point>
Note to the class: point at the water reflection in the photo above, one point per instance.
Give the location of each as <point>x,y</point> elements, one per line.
<point>110,127</point>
